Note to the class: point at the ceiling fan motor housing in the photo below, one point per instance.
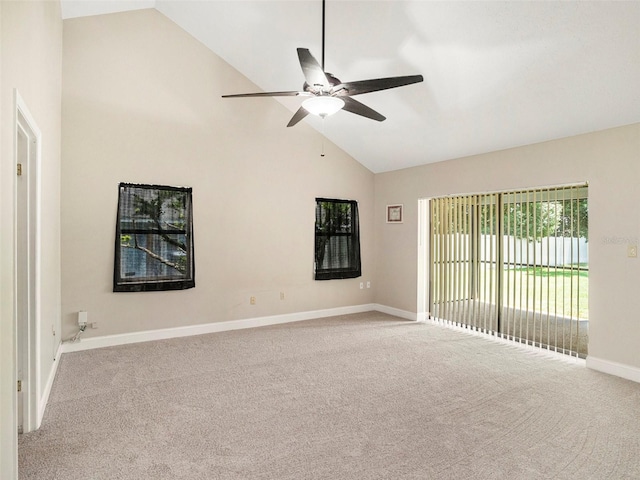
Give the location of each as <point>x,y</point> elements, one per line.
<point>319,89</point>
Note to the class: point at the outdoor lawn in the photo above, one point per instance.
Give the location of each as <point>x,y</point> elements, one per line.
<point>547,287</point>
<point>550,289</point>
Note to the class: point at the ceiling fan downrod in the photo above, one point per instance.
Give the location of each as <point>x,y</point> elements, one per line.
<point>323,16</point>
<point>327,93</point>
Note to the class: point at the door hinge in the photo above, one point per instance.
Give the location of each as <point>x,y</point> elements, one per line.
<point>19,385</point>
<point>19,169</point>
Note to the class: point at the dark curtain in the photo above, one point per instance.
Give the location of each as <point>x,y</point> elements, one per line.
<point>154,239</point>
<point>337,237</point>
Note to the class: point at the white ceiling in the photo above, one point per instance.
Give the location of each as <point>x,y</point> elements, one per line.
<point>497,74</point>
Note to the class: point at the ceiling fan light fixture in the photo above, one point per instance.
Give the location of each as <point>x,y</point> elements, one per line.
<point>323,105</point>
<point>326,89</point>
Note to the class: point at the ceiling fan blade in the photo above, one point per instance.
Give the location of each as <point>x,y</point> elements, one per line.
<point>266,94</point>
<point>374,85</point>
<point>313,73</point>
<point>299,115</point>
<point>354,106</point>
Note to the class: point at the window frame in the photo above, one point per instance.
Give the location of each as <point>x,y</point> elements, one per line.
<point>353,269</point>
<point>127,283</point>
<point>510,263</point>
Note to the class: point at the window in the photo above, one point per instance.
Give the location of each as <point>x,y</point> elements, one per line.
<point>337,239</point>
<point>154,239</point>
<point>514,264</point>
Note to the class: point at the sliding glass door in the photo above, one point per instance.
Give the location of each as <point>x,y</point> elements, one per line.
<point>513,264</point>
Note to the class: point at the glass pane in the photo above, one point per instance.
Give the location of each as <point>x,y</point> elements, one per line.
<point>154,245</point>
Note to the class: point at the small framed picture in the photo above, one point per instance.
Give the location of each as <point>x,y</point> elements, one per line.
<point>394,213</point>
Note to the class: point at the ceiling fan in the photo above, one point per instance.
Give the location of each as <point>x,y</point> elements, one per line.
<point>327,93</point>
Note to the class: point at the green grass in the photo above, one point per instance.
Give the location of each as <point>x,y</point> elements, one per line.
<point>550,290</point>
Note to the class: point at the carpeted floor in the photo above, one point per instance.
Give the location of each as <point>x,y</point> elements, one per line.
<point>364,396</point>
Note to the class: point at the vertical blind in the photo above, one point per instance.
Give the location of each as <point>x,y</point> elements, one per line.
<point>513,264</point>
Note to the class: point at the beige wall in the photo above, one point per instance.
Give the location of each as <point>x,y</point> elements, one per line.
<point>31,40</point>
<point>141,103</point>
<point>608,160</point>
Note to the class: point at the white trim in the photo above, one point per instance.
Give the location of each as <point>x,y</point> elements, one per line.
<point>614,368</point>
<point>33,371</point>
<point>517,190</point>
<point>47,388</point>
<point>166,333</point>
<point>424,207</point>
<point>395,312</point>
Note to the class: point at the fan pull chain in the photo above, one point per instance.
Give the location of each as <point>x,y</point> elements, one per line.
<point>322,149</point>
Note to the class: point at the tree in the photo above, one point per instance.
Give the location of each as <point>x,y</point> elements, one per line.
<point>332,218</point>
<point>539,219</point>
<point>535,220</point>
<point>531,220</point>
<point>574,221</point>
<point>166,211</point>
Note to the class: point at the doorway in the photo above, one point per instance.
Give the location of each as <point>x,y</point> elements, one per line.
<point>512,264</point>
<point>27,266</point>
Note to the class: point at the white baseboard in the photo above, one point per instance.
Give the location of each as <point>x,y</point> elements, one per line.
<point>44,399</point>
<point>614,368</point>
<point>166,333</point>
<point>605,366</point>
<point>395,311</point>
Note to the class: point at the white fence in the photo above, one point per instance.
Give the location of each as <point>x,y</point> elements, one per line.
<point>549,251</point>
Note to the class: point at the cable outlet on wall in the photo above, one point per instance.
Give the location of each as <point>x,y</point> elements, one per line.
<point>252,300</point>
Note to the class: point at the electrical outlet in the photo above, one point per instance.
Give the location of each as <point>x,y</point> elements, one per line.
<point>252,300</point>
<point>94,325</point>
<point>361,285</point>
<point>368,284</point>
<point>632,251</point>
<point>281,295</point>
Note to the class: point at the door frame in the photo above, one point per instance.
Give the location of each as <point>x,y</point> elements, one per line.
<point>27,266</point>
<point>424,259</point>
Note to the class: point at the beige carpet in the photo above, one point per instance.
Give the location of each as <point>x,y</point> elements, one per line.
<point>365,396</point>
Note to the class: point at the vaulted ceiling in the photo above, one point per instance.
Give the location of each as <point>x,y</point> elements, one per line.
<point>496,74</point>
